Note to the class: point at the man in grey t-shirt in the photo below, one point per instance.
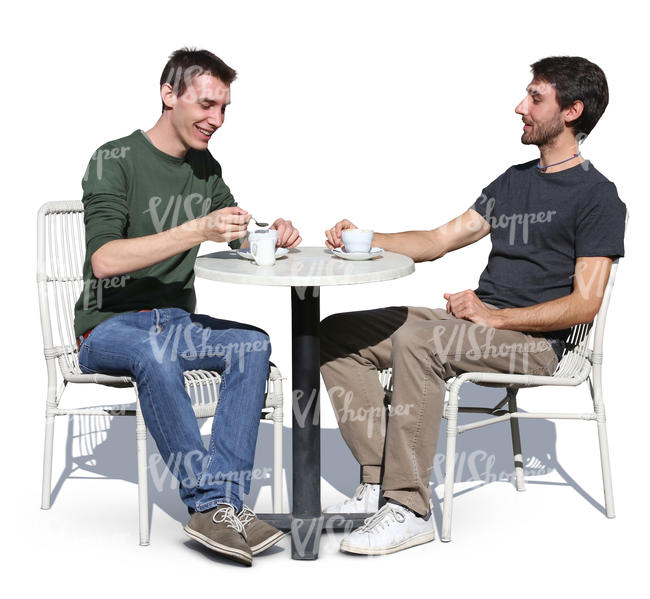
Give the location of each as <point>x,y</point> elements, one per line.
<point>556,224</point>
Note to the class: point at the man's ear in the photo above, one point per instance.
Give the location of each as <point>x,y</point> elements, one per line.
<point>573,112</point>
<point>168,96</point>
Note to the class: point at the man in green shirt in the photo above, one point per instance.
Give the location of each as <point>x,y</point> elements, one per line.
<point>150,199</point>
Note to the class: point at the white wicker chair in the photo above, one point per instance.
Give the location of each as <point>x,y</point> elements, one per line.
<point>61,251</point>
<point>582,356</point>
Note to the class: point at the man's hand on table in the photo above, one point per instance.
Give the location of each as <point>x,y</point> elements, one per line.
<point>288,235</point>
<point>467,305</point>
<point>333,236</point>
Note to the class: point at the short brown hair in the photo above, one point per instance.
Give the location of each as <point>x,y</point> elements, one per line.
<point>185,64</point>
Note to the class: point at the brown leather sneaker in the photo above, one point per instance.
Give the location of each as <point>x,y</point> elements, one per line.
<point>219,529</point>
<point>259,534</point>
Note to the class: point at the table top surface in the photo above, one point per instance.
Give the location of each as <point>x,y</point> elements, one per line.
<point>303,267</point>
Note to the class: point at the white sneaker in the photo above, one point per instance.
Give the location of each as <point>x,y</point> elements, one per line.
<point>365,500</point>
<point>391,529</point>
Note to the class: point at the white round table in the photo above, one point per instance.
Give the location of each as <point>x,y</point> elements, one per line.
<point>303,267</point>
<point>305,270</point>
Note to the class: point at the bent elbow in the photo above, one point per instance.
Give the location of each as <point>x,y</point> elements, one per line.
<point>432,256</point>
<point>594,308</point>
<point>99,267</point>
<point>588,316</point>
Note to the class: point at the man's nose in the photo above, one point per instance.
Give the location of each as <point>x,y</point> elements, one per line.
<point>216,119</point>
<point>522,107</point>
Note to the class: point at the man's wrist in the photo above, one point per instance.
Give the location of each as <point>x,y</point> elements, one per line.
<point>194,230</point>
<point>378,240</point>
<point>498,318</point>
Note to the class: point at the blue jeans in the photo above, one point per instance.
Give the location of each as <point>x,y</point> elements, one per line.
<point>155,348</point>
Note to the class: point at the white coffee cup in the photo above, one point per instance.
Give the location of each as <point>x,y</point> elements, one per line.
<point>357,240</point>
<point>263,244</point>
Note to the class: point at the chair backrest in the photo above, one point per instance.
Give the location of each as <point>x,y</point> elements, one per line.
<point>59,274</point>
<point>585,343</point>
<point>582,344</point>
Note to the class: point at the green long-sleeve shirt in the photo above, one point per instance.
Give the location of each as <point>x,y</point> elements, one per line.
<point>132,189</point>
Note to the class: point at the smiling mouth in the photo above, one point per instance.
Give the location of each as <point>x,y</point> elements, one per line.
<point>205,132</point>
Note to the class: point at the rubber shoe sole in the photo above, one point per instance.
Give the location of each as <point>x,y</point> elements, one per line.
<point>425,537</point>
<point>233,554</point>
<point>264,545</point>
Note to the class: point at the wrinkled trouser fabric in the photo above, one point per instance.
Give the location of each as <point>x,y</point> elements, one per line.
<point>155,347</point>
<point>424,347</point>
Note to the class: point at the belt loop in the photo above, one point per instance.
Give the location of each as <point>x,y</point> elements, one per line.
<point>156,320</point>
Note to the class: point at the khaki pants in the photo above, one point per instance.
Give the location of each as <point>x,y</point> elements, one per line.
<point>424,347</point>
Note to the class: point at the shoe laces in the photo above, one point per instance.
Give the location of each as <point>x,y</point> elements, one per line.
<point>246,515</point>
<point>361,491</point>
<point>387,514</point>
<point>227,515</point>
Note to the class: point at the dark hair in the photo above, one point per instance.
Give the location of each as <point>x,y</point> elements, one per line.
<point>187,63</point>
<point>575,78</point>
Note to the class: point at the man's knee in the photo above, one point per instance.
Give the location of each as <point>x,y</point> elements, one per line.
<point>151,358</point>
<point>256,341</point>
<point>430,340</point>
<point>409,336</point>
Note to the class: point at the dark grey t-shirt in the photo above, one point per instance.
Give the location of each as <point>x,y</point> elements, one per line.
<point>540,223</point>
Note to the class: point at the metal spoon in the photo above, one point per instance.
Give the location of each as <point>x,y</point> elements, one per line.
<point>263,225</point>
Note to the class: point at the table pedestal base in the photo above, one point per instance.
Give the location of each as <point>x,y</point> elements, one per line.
<point>306,532</point>
<point>305,537</point>
<point>306,524</point>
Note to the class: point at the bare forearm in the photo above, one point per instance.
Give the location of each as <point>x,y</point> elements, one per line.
<point>122,256</point>
<point>580,306</point>
<point>420,246</point>
<point>557,314</point>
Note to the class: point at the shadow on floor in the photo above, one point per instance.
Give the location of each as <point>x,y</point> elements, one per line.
<point>105,446</point>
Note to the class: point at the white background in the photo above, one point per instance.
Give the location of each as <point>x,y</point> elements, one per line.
<point>394,115</point>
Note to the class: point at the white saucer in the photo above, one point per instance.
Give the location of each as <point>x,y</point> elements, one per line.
<point>373,253</point>
<point>246,253</point>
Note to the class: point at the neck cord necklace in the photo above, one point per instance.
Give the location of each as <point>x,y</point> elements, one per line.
<point>539,162</point>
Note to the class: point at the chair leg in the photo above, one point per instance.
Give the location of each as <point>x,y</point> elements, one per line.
<point>278,475</point>
<point>450,463</point>
<point>47,462</point>
<point>606,469</point>
<point>143,496</point>
<point>599,409</point>
<point>516,441</point>
<point>277,464</point>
